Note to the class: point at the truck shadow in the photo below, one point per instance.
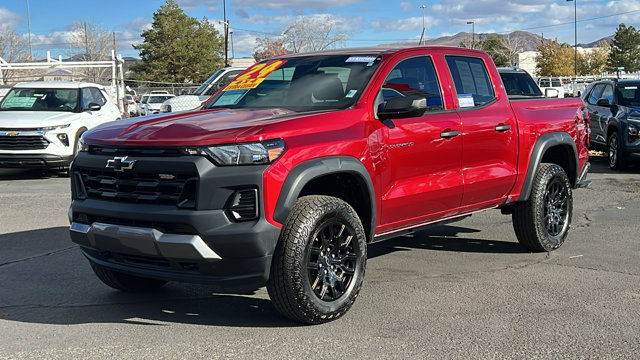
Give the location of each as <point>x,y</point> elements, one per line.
<point>30,174</point>
<point>45,279</point>
<point>600,164</point>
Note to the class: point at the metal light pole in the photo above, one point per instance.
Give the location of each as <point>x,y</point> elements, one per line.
<point>575,34</point>
<point>473,33</point>
<point>29,29</point>
<point>226,33</point>
<point>422,36</point>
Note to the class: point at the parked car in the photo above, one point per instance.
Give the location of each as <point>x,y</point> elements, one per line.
<point>551,83</point>
<point>41,122</point>
<point>152,102</point>
<point>289,172</point>
<point>132,105</point>
<point>518,83</point>
<point>203,92</point>
<point>614,111</point>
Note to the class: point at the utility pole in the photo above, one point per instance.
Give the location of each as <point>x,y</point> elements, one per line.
<point>422,36</point>
<point>226,33</point>
<point>575,34</point>
<point>29,29</point>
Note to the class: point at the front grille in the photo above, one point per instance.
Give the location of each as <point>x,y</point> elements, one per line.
<point>35,142</point>
<point>133,151</point>
<point>177,189</point>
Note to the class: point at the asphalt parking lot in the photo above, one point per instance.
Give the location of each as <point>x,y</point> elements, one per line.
<point>464,290</point>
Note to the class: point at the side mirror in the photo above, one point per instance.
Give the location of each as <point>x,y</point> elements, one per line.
<point>603,102</point>
<point>93,107</point>
<point>402,107</point>
<point>549,92</point>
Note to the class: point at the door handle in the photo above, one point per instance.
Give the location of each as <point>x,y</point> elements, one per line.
<point>449,134</point>
<point>502,127</point>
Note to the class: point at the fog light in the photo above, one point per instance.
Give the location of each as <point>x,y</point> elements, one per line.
<point>64,139</point>
<point>633,131</point>
<point>243,205</point>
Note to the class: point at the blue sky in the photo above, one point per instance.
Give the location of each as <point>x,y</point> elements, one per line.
<point>370,22</point>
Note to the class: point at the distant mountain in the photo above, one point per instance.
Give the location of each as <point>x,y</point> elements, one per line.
<point>527,41</point>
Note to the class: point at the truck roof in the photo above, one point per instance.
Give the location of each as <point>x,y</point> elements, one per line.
<point>381,50</point>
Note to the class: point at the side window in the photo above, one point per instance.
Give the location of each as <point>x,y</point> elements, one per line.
<point>92,95</point>
<point>607,93</point>
<point>414,76</point>
<point>544,83</point>
<point>471,79</point>
<point>595,94</point>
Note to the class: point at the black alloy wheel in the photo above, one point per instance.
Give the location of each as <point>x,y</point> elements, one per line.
<point>615,155</point>
<point>556,208</point>
<point>331,260</point>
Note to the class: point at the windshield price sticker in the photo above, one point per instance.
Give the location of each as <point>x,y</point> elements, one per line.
<point>363,59</point>
<point>254,76</point>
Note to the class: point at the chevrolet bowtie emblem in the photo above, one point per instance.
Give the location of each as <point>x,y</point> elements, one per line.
<point>120,163</point>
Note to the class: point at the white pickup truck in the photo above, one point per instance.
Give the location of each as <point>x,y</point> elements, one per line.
<point>204,92</point>
<point>41,122</point>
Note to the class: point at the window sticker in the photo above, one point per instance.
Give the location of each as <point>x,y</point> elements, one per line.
<point>351,93</point>
<point>19,102</point>
<point>255,75</point>
<point>363,59</point>
<point>465,100</point>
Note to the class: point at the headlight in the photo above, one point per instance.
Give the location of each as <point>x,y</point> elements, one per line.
<point>264,152</point>
<point>50,128</point>
<point>82,146</point>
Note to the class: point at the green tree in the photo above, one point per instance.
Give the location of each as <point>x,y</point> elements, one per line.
<point>595,62</point>
<point>555,59</point>
<point>625,49</point>
<point>178,48</point>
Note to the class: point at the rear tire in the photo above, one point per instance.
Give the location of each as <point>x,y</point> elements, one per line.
<point>125,282</point>
<point>319,262</point>
<point>542,222</point>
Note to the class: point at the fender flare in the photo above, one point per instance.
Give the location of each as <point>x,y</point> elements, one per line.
<point>545,142</point>
<point>306,171</point>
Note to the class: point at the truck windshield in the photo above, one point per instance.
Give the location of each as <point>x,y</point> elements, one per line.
<point>305,83</point>
<point>205,84</point>
<point>628,94</point>
<point>33,99</point>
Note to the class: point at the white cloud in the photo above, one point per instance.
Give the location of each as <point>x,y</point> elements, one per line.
<point>407,6</point>
<point>271,4</point>
<point>9,19</point>
<point>408,24</point>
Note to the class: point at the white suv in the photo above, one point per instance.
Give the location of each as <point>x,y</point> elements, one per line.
<point>204,92</point>
<point>41,122</point>
<point>551,83</point>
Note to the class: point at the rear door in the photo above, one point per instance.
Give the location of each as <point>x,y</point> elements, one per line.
<point>489,132</point>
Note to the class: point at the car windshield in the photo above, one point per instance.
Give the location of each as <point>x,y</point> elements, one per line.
<point>158,99</point>
<point>306,83</point>
<point>519,84</point>
<point>205,84</point>
<point>628,94</point>
<point>34,99</point>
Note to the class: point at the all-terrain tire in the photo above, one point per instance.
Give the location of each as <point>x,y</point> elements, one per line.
<point>319,262</point>
<point>542,222</point>
<point>125,282</point>
<point>615,154</point>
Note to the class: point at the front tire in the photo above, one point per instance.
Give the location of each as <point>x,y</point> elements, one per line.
<point>125,282</point>
<point>616,156</point>
<point>319,262</point>
<point>542,222</point>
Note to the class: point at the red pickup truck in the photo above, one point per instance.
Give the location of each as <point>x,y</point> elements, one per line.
<point>301,161</point>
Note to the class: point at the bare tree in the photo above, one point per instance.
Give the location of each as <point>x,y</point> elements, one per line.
<point>266,48</point>
<point>510,47</point>
<point>13,48</point>
<point>91,42</point>
<point>314,33</point>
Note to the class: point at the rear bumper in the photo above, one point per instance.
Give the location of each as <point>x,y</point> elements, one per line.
<point>34,161</point>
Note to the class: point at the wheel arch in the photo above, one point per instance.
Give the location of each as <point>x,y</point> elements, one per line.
<point>557,148</point>
<point>333,176</point>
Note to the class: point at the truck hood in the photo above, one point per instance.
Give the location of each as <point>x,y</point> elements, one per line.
<point>35,119</point>
<point>208,127</point>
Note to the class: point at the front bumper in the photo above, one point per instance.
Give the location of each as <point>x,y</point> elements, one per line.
<point>201,243</point>
<point>35,161</point>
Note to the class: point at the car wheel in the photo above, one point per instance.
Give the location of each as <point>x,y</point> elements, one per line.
<point>319,262</point>
<point>542,222</point>
<point>125,282</point>
<point>616,156</point>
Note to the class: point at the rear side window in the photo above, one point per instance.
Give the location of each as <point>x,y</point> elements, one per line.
<point>471,79</point>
